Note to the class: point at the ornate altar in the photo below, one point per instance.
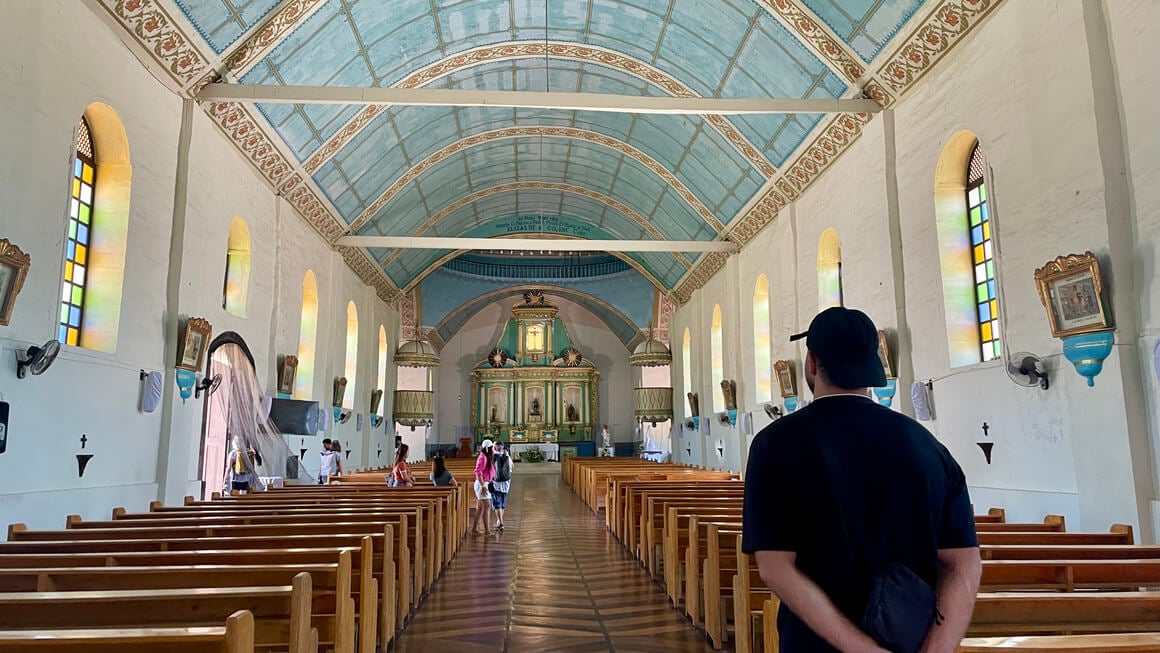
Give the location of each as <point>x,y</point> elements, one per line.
<point>535,385</point>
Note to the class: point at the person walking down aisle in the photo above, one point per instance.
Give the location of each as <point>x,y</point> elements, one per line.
<point>484,474</point>
<point>502,483</point>
<point>858,518</point>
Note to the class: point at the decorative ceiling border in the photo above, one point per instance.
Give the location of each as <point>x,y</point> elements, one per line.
<point>816,37</point>
<point>409,316</point>
<point>494,135</point>
<point>612,202</point>
<point>524,50</point>
<point>927,44</point>
<point>240,58</point>
<point>156,30</point>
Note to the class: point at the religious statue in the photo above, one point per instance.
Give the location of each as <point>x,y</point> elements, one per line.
<point>494,413</point>
<point>571,413</point>
<point>535,406</point>
<point>606,436</point>
<point>729,391</point>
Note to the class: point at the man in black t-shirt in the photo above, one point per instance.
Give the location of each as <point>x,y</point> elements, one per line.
<point>839,489</point>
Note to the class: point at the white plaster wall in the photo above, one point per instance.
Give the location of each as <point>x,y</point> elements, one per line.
<point>43,46</point>
<point>43,96</point>
<point>479,335</point>
<point>1130,24</point>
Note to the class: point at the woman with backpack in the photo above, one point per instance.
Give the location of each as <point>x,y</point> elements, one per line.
<point>502,483</point>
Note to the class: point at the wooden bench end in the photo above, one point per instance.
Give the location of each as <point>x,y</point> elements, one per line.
<point>118,512</point>
<point>71,521</point>
<point>16,528</point>
<point>998,512</point>
<point>240,632</point>
<point>188,500</point>
<point>1125,529</point>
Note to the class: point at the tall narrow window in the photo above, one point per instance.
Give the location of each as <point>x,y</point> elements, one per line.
<point>829,270</point>
<point>351,367</point>
<point>307,336</point>
<point>237,284</point>
<point>382,378</point>
<point>762,357</point>
<point>97,231</point>
<point>687,366</point>
<point>76,250</point>
<point>983,257</point>
<point>717,347</point>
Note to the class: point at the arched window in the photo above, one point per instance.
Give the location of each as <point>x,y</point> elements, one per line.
<point>382,377</point>
<point>762,357</point>
<point>829,270</point>
<point>351,367</point>
<point>687,366</point>
<point>97,230</point>
<point>983,257</point>
<point>237,285</point>
<point>307,336</point>
<point>966,231</point>
<point>716,349</point>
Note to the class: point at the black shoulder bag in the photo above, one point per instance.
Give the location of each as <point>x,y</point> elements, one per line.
<point>901,608</point>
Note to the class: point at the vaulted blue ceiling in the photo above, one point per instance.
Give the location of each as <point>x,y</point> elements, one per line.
<point>493,171</point>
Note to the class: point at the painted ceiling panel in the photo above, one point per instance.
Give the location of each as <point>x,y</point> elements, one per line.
<point>865,24</point>
<point>221,22</point>
<point>721,48</point>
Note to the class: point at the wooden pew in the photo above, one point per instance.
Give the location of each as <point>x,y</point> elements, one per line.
<point>236,636</point>
<point>1120,534</point>
<point>330,579</point>
<point>394,595</point>
<point>1118,643</point>
<point>1071,613</point>
<point>282,614</point>
<point>718,570</point>
<point>302,521</point>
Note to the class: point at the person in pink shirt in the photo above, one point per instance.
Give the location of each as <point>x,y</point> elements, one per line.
<point>484,474</point>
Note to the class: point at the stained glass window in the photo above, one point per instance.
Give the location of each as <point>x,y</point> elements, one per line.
<point>983,257</point>
<point>77,243</point>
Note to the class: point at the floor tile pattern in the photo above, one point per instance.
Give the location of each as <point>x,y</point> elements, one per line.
<point>554,580</point>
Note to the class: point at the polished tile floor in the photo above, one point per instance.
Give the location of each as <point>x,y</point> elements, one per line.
<point>554,580</point>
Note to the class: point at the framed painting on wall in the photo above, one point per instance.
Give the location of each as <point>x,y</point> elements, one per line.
<point>1070,289</point>
<point>567,451</point>
<point>785,378</point>
<point>286,374</point>
<point>193,343</point>
<point>884,355</point>
<point>14,264</point>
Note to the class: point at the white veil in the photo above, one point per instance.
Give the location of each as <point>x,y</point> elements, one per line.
<point>248,418</point>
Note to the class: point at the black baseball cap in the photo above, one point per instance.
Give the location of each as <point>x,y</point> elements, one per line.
<point>845,342</point>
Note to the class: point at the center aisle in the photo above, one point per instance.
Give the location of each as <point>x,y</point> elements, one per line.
<point>555,580</point>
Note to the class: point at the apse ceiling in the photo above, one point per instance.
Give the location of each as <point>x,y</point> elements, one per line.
<point>376,170</point>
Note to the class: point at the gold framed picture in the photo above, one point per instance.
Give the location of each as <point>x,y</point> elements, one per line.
<point>786,381</point>
<point>286,373</point>
<point>194,341</point>
<point>1071,290</point>
<point>14,264</point>
<point>884,355</point>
